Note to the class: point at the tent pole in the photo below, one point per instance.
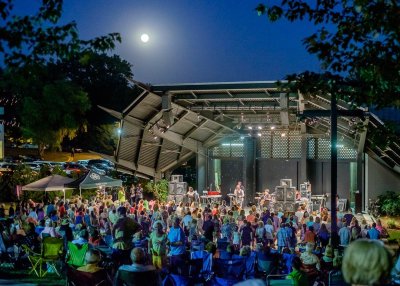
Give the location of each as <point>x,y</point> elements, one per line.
<point>64,195</point>
<point>80,192</point>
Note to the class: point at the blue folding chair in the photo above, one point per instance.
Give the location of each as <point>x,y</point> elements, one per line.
<point>228,271</point>
<point>279,280</point>
<point>176,280</point>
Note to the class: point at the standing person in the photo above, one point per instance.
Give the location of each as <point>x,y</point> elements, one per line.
<point>208,228</point>
<point>344,234</point>
<point>246,234</point>
<point>282,239</point>
<point>373,233</point>
<point>123,230</point>
<point>176,241</point>
<point>132,194</point>
<point>158,246</point>
<point>73,152</point>
<point>139,193</point>
<point>239,194</point>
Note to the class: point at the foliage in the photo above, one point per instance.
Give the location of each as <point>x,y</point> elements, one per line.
<point>39,38</point>
<point>389,203</point>
<point>357,42</point>
<point>52,113</point>
<point>159,189</point>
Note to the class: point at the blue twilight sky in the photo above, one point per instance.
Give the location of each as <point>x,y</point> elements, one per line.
<point>194,40</point>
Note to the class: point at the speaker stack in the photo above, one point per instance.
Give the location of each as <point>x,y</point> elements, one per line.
<point>177,189</point>
<point>285,197</point>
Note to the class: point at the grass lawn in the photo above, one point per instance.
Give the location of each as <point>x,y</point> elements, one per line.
<point>15,277</point>
<point>66,156</point>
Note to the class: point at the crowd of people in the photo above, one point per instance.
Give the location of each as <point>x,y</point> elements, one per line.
<point>144,235</point>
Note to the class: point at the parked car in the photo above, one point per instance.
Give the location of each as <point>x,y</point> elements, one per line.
<point>83,162</point>
<point>71,167</point>
<point>7,167</point>
<point>34,166</point>
<point>28,146</point>
<point>98,169</point>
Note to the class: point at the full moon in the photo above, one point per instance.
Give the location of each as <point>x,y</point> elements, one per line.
<point>144,38</point>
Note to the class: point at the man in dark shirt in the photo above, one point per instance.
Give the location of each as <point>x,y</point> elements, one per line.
<point>348,217</point>
<point>208,228</point>
<point>124,229</point>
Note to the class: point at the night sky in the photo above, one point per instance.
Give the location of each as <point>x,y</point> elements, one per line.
<point>194,40</point>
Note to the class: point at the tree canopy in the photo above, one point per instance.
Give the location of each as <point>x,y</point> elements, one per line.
<point>39,38</point>
<point>358,43</point>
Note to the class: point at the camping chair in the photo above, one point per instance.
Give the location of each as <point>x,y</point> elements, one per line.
<point>76,278</point>
<point>279,280</point>
<point>264,266</point>
<point>52,248</point>
<point>229,271</point>
<point>129,278</point>
<point>335,278</point>
<point>76,254</point>
<point>200,265</point>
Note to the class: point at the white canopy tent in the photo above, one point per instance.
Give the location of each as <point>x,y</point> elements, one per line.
<point>49,184</point>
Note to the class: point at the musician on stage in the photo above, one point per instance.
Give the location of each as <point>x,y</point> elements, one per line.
<point>191,194</point>
<point>265,199</point>
<point>267,195</point>
<point>239,193</point>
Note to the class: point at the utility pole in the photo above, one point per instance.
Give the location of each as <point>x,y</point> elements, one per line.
<point>333,114</point>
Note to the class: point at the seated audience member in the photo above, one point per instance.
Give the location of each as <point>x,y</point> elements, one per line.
<point>309,259</point>
<point>49,230</point>
<point>366,262</point>
<point>297,275</point>
<point>327,259</point>
<point>92,258</point>
<point>138,257</point>
<point>82,238</point>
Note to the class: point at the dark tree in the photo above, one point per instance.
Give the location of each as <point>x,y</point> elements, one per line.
<point>358,43</point>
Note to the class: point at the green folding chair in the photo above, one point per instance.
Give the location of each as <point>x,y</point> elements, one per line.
<point>76,254</point>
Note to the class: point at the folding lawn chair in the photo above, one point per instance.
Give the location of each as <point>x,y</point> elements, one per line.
<point>76,254</point>
<point>52,251</point>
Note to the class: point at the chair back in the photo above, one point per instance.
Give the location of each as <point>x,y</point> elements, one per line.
<point>279,280</point>
<point>336,278</point>
<point>233,269</point>
<point>77,278</point>
<point>76,254</point>
<point>52,248</point>
<point>130,278</point>
<point>264,266</point>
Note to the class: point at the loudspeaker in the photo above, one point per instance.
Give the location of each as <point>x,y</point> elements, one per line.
<point>288,207</point>
<point>290,194</point>
<point>179,198</point>
<point>303,190</point>
<point>286,182</point>
<point>279,193</point>
<point>177,178</point>
<point>172,188</point>
<point>278,206</point>
<point>181,188</point>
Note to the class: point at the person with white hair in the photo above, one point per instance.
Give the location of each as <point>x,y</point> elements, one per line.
<point>309,258</point>
<point>367,262</point>
<point>48,230</point>
<point>92,259</point>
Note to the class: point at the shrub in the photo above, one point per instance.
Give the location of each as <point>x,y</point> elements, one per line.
<point>389,203</point>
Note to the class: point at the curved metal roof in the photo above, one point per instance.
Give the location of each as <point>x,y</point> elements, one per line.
<point>168,124</point>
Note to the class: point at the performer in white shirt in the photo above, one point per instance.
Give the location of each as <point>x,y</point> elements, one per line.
<point>239,193</point>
